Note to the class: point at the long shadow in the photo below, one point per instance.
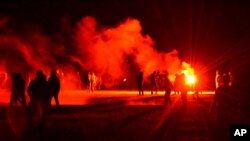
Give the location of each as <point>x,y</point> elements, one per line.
<point>149,110</point>
<point>75,108</point>
<point>167,130</point>
<point>99,104</point>
<point>135,116</point>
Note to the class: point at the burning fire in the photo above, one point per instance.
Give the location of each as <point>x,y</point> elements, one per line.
<point>189,73</point>
<point>191,79</point>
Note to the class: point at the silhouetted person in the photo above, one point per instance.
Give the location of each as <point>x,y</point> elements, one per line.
<point>91,77</point>
<point>17,90</point>
<point>54,86</point>
<point>218,79</point>
<point>39,100</point>
<point>222,91</point>
<point>168,87</point>
<point>196,94</point>
<point>196,88</point>
<point>98,83</point>
<point>183,88</point>
<point>153,82</point>
<point>140,82</point>
<point>177,83</point>
<point>222,100</point>
<point>157,80</point>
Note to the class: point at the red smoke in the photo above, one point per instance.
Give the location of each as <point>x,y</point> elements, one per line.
<point>105,50</point>
<point>30,51</point>
<point>111,52</point>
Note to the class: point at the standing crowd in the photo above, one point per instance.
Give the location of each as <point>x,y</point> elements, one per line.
<point>161,81</point>
<point>40,92</point>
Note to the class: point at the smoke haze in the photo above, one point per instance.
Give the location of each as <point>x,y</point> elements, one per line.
<point>113,53</point>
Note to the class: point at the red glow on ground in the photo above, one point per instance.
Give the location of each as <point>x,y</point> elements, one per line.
<point>82,97</point>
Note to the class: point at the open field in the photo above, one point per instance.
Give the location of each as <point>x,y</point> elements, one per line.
<point>117,116</point>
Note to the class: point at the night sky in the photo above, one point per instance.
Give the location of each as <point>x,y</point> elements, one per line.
<point>207,34</point>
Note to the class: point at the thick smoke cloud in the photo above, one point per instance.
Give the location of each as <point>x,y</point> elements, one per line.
<point>106,50</point>
<point>111,52</point>
<point>30,51</point>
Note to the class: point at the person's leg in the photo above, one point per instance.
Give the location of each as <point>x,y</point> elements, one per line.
<point>92,87</point>
<point>142,91</point>
<point>23,101</point>
<point>152,89</point>
<point>167,97</point>
<point>56,100</point>
<point>11,101</point>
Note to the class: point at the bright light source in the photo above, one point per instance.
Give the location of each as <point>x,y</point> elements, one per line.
<point>125,79</point>
<point>191,79</point>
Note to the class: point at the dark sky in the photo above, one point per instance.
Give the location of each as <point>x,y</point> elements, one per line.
<point>203,31</point>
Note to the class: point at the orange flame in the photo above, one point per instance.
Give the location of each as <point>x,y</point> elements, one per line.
<point>189,73</point>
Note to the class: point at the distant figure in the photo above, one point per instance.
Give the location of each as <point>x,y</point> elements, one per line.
<point>54,86</point>
<point>39,100</point>
<point>140,83</point>
<point>196,88</point>
<point>183,88</point>
<point>196,94</point>
<point>177,84</point>
<point>91,77</point>
<point>17,90</point>
<point>153,82</point>
<point>168,87</point>
<point>231,78</point>
<point>157,80</point>
<point>98,83</point>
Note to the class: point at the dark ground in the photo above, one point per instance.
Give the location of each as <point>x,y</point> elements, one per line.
<point>128,118</point>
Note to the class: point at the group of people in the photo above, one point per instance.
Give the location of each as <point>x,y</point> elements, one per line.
<point>40,92</point>
<point>166,84</point>
<point>158,81</point>
<point>94,82</point>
